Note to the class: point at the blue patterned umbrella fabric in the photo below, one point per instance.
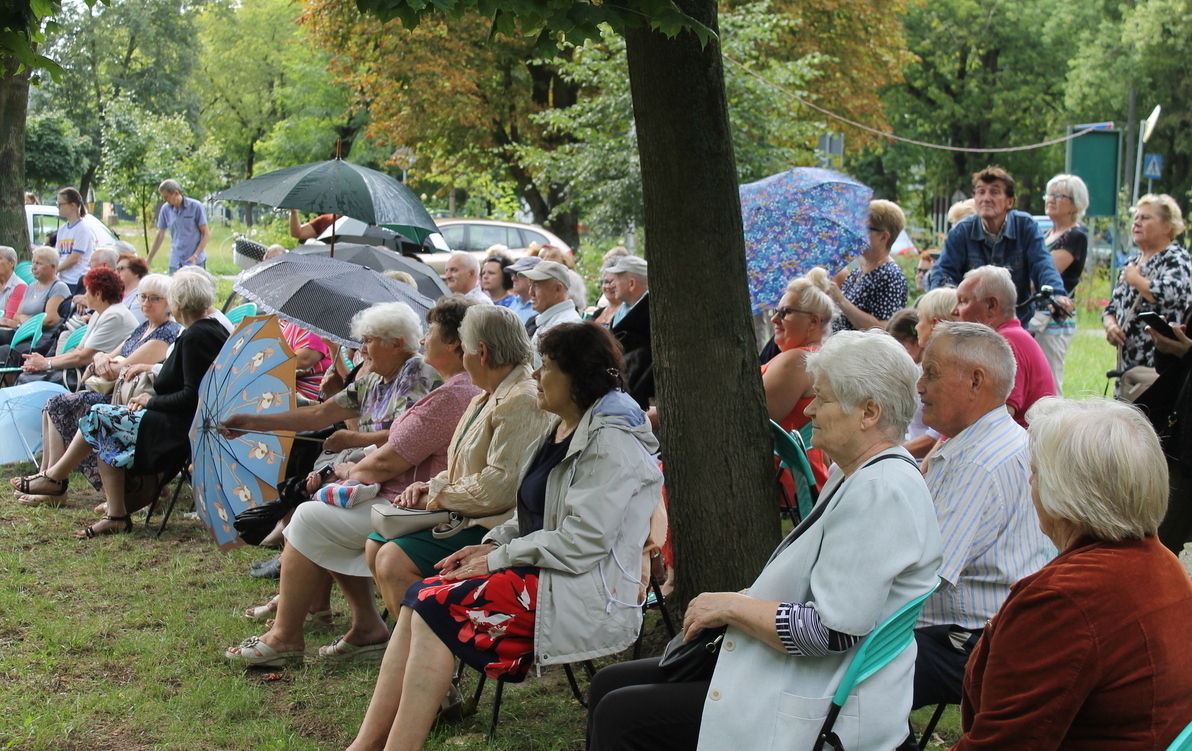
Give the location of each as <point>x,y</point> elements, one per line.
<point>797,220</point>
<point>254,373</point>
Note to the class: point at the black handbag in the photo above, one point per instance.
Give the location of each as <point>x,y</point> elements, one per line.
<point>694,660</point>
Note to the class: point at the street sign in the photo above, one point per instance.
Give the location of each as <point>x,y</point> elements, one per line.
<point>1152,166</point>
<point>1095,158</point>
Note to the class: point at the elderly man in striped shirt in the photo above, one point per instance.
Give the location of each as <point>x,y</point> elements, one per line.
<point>980,482</point>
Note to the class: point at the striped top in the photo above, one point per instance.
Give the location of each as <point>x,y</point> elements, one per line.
<point>980,484</point>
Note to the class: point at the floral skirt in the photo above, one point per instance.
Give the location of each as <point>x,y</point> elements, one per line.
<point>66,411</point>
<point>112,432</point>
<point>488,621</point>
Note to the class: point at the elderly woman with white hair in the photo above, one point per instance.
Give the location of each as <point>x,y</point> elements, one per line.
<point>151,433</point>
<point>148,344</point>
<point>870,547</point>
<point>44,295</point>
<point>1156,279</point>
<point>1092,650</point>
<point>1066,200</point>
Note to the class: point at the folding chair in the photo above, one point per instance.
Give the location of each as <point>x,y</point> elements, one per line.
<point>469,706</point>
<point>791,451</point>
<point>654,599</point>
<point>1183,741</point>
<point>886,642</point>
<point>240,312</point>
<point>936,716</point>
<point>183,475</point>
<point>29,331</point>
<point>24,272</point>
<point>72,342</point>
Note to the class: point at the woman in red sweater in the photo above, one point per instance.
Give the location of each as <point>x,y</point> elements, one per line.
<point>1091,651</point>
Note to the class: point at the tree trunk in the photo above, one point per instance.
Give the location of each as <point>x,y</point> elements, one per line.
<point>715,435</point>
<point>14,102</point>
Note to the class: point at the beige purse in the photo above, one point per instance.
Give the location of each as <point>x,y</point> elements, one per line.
<point>99,385</point>
<point>126,390</point>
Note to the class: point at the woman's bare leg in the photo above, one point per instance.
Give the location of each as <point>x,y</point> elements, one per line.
<point>394,573</point>
<point>302,580</point>
<point>429,668</point>
<point>378,720</point>
<point>113,491</point>
<point>367,627</point>
<point>52,445</point>
<point>75,453</point>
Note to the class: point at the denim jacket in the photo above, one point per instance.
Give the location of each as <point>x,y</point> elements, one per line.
<point>1021,250</point>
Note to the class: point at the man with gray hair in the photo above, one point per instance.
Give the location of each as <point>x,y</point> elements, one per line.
<point>550,295</point>
<point>186,220</point>
<point>980,484</point>
<point>462,273</point>
<point>631,325</point>
<point>987,296</point>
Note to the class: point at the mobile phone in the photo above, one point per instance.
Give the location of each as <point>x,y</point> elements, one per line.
<point>1157,322</point>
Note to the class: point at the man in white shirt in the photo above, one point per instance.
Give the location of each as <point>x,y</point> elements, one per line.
<point>462,273</point>
<point>980,483</point>
<point>550,296</point>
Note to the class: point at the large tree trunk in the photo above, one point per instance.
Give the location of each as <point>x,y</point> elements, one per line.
<point>715,435</point>
<point>14,102</point>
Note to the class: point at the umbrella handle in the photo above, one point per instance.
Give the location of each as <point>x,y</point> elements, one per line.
<point>270,432</point>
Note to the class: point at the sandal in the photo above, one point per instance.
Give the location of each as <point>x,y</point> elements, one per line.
<point>341,650</point>
<point>322,618</point>
<point>254,652</point>
<point>23,483</point>
<point>39,500</point>
<point>90,532</point>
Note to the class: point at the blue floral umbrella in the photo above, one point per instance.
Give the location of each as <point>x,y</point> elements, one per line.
<point>797,220</point>
<point>254,373</point>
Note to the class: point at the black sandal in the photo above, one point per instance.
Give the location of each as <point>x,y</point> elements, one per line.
<point>23,484</point>
<point>90,532</point>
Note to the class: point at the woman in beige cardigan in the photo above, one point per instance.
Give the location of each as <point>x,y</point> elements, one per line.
<point>485,456</point>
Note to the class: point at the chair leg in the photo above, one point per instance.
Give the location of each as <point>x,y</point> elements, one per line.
<point>471,704</point>
<point>575,690</point>
<point>666,618</point>
<point>935,719</point>
<point>492,725</point>
<point>184,476</point>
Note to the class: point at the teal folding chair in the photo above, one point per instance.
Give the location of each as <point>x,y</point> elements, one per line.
<point>29,331</point>
<point>886,642</point>
<point>24,272</point>
<point>791,451</point>
<point>1183,741</point>
<point>74,340</point>
<point>240,312</point>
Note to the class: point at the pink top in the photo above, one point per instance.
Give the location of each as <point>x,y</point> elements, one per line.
<point>14,300</point>
<point>1033,379</point>
<point>420,434</point>
<point>298,338</point>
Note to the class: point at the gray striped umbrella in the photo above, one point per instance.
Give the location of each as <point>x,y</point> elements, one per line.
<point>323,294</point>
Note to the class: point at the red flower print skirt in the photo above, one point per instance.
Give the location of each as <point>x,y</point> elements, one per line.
<point>487,621</point>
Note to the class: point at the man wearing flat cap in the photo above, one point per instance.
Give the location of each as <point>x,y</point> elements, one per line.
<point>550,296</point>
<point>631,326</point>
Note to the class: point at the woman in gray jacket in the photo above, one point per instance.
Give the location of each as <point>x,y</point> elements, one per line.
<point>557,583</point>
<point>870,546</point>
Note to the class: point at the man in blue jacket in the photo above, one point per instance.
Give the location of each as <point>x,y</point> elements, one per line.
<point>999,235</point>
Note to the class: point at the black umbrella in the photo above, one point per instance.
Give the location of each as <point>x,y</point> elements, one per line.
<point>382,259</point>
<point>322,294</point>
<point>340,188</point>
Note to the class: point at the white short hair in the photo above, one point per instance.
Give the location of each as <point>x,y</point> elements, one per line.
<point>1075,187</point>
<point>44,254</point>
<point>8,253</point>
<point>190,293</point>
<point>979,346</point>
<point>995,281</point>
<point>863,365</point>
<point>1098,465</point>
<point>577,290</point>
<point>155,284</point>
<point>501,330</point>
<point>467,260</point>
<point>105,256</point>
<point>938,303</point>
<point>390,321</point>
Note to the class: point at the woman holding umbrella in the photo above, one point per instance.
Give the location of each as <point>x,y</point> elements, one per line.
<point>151,433</point>
<point>876,291</point>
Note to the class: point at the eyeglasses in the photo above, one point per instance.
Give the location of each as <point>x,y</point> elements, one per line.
<point>1056,196</point>
<point>150,298</point>
<point>783,312</point>
<point>877,229</point>
<point>62,203</point>
<point>122,268</point>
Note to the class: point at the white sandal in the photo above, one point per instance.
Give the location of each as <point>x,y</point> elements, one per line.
<point>253,651</point>
<point>324,618</point>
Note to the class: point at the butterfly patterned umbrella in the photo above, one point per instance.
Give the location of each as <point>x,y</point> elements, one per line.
<point>254,374</point>
<point>797,220</point>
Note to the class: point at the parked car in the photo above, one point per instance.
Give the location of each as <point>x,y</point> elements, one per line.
<point>43,220</point>
<point>476,236</point>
